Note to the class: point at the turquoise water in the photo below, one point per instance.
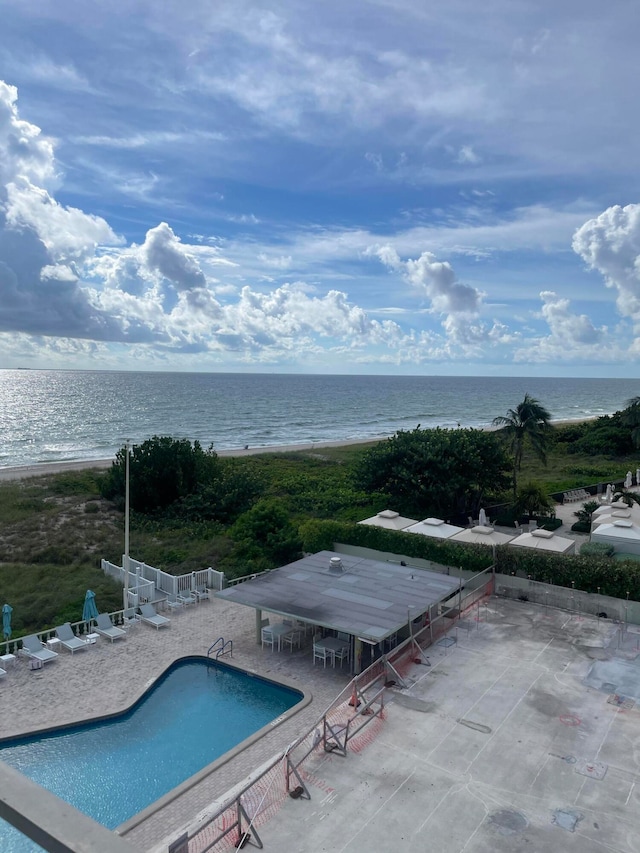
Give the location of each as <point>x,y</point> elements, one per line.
<point>113,769</point>
<point>57,416</point>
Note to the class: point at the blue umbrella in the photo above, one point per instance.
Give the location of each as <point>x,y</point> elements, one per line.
<point>7,610</point>
<point>89,611</point>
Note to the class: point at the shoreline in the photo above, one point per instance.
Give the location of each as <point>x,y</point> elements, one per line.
<point>41,469</point>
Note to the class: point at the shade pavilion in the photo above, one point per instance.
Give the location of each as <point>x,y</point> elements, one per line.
<point>544,540</point>
<point>437,528</point>
<point>482,535</point>
<point>389,520</point>
<point>370,600</point>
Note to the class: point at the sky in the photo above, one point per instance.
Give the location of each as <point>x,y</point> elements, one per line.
<point>381,187</point>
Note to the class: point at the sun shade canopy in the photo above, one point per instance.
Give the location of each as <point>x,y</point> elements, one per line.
<point>368,598</point>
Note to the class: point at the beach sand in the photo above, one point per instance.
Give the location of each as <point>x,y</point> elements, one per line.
<point>22,472</point>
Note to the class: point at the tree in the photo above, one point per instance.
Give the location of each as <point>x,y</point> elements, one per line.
<point>162,470</point>
<point>435,471</point>
<point>527,423</point>
<point>265,531</point>
<point>631,418</point>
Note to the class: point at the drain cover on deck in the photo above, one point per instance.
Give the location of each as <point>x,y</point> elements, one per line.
<point>446,642</point>
<point>623,702</point>
<point>592,769</point>
<point>566,819</point>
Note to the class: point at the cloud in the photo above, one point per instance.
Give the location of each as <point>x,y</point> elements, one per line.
<point>41,241</point>
<point>572,337</point>
<point>610,244</point>
<point>467,155</point>
<point>165,254</point>
<point>436,279</point>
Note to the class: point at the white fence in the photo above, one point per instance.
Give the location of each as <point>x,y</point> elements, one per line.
<point>146,583</point>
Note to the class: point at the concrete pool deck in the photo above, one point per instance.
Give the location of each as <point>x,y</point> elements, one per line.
<point>510,741</point>
<point>109,677</point>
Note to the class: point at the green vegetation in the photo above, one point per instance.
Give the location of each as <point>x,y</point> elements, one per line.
<point>256,512</point>
<point>435,471</point>
<point>527,424</point>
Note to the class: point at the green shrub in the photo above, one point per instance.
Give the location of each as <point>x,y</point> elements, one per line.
<point>596,549</point>
<point>321,535</point>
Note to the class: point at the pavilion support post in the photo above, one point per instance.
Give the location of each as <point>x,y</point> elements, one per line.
<point>258,627</point>
<point>357,656</point>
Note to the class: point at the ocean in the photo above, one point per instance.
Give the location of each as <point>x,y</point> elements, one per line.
<point>60,416</point>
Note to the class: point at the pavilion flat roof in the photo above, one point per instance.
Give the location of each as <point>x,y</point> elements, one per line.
<point>368,598</point>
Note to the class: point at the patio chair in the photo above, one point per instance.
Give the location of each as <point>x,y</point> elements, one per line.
<point>148,614</point>
<point>106,628</point>
<point>202,592</point>
<point>266,637</point>
<point>33,648</point>
<point>3,672</point>
<point>292,639</point>
<point>320,653</point>
<point>186,596</point>
<point>173,602</point>
<point>69,640</point>
<point>130,617</point>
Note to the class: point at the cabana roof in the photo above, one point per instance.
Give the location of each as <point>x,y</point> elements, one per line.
<point>370,599</point>
<point>544,540</point>
<point>437,528</point>
<point>389,520</point>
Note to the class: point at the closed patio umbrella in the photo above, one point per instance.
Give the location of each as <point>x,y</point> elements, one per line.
<point>7,610</point>
<point>482,518</point>
<point>89,611</point>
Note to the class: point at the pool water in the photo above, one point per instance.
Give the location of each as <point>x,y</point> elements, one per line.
<point>113,769</point>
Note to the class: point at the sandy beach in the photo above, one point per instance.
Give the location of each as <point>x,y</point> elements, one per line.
<point>23,472</point>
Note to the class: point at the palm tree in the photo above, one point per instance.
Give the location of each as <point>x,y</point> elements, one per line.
<point>529,421</point>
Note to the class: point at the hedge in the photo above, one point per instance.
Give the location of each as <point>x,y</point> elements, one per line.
<point>589,574</point>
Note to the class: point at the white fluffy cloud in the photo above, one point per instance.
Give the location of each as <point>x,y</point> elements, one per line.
<point>457,304</point>
<point>610,243</point>
<point>572,337</point>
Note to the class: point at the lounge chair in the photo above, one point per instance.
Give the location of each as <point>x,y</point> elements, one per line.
<point>148,614</point>
<point>106,627</point>
<point>33,648</point>
<point>130,617</point>
<point>69,640</point>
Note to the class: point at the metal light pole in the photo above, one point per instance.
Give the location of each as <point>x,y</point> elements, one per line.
<point>125,558</point>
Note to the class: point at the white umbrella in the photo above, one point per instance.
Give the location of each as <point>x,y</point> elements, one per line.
<point>637,476</point>
<point>482,518</point>
<point>628,480</point>
<point>609,493</point>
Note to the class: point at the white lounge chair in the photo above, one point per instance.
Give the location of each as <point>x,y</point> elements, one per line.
<point>130,617</point>
<point>148,614</point>
<point>33,648</point>
<point>69,640</point>
<point>201,593</point>
<point>106,628</point>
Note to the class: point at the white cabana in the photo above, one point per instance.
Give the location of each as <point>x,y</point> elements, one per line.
<point>609,508</point>
<point>613,516</point>
<point>482,535</point>
<point>544,540</point>
<point>389,519</point>
<point>434,527</point>
<point>623,534</point>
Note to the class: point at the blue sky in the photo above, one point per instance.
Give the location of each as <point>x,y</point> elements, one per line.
<point>366,187</point>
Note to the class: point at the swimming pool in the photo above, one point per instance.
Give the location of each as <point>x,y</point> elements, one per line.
<point>112,769</point>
